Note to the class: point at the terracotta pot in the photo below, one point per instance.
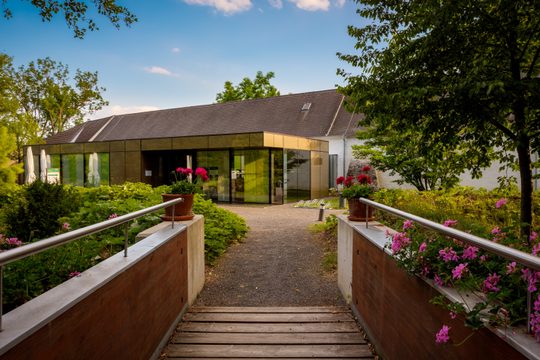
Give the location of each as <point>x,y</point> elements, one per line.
<point>182,210</point>
<point>357,211</point>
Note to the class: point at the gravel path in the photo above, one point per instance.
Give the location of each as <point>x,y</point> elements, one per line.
<point>278,264</point>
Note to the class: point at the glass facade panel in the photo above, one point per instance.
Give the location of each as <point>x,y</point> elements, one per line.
<point>96,169</point>
<point>216,164</point>
<point>297,175</point>
<point>277,170</point>
<point>73,169</point>
<point>250,176</point>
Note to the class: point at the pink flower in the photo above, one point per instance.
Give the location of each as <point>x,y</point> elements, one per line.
<point>500,202</point>
<point>399,241</point>
<point>532,278</point>
<point>483,258</point>
<point>442,336</point>
<point>453,315</point>
<point>74,273</point>
<point>422,247</point>
<point>496,230</point>
<point>425,271</point>
<point>459,270</point>
<point>407,224</point>
<point>470,253</point>
<point>66,226</point>
<point>535,319</point>
<point>14,242</point>
<point>448,254</point>
<point>450,223</point>
<point>112,216</point>
<point>536,249</point>
<point>534,236</point>
<point>201,172</point>
<point>511,268</point>
<point>438,281</point>
<point>490,284</point>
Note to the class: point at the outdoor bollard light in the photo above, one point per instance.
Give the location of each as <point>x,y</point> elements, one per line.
<point>321,211</point>
<point>341,202</point>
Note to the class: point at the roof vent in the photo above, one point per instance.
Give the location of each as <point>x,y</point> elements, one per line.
<point>306,107</point>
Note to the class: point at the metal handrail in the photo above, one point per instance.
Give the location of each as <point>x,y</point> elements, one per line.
<point>24,251</point>
<point>518,256</point>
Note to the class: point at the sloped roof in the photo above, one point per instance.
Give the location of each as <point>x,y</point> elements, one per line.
<point>326,116</point>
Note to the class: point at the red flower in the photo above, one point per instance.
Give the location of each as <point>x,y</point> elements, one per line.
<point>348,181</point>
<point>340,180</point>
<point>200,172</point>
<point>366,168</point>
<point>364,179</point>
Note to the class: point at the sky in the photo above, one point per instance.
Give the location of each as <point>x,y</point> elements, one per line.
<point>181,52</point>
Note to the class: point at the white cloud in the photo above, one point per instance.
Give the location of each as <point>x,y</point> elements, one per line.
<point>312,5</point>
<point>119,109</point>
<point>158,70</point>
<point>177,50</point>
<point>278,4</point>
<point>226,6</point>
<point>340,3</point>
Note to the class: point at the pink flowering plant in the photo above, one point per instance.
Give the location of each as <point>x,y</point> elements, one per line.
<point>360,186</point>
<point>500,285</point>
<point>7,243</point>
<point>185,181</point>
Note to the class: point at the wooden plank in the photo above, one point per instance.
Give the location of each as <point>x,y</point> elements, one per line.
<point>275,358</point>
<point>265,318</point>
<point>269,351</point>
<point>336,327</point>
<point>285,309</point>
<point>274,339</point>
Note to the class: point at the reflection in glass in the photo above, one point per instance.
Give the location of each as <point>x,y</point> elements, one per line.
<point>216,164</point>
<point>73,169</point>
<point>250,176</point>
<point>96,169</point>
<point>297,176</point>
<point>276,156</point>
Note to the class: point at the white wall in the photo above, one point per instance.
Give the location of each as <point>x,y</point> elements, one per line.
<point>335,146</point>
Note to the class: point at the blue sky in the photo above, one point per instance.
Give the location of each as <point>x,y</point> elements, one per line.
<point>181,52</point>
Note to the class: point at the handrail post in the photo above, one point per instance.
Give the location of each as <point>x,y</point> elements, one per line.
<point>367,215</point>
<point>126,239</point>
<point>529,310</point>
<point>172,220</point>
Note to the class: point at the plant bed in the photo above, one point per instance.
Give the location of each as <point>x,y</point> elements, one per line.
<point>394,307</point>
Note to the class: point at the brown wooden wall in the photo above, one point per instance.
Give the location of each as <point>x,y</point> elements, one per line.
<point>124,319</point>
<point>402,324</point>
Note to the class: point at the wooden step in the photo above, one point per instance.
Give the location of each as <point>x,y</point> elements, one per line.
<point>268,333</point>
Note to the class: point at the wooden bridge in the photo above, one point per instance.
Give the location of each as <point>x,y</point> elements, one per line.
<point>268,333</point>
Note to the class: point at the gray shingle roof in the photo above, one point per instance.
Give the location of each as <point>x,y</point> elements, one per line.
<point>280,114</point>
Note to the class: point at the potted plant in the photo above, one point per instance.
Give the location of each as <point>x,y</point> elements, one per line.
<point>354,188</point>
<point>185,187</point>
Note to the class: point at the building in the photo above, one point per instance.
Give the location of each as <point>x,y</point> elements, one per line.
<point>272,150</point>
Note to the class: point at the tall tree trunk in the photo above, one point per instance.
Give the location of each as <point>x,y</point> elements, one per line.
<point>525,172</point>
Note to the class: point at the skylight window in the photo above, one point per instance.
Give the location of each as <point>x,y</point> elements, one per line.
<point>306,107</point>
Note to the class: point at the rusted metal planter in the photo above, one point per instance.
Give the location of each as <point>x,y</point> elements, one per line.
<point>182,211</point>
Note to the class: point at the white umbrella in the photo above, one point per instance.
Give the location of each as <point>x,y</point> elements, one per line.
<point>43,166</point>
<point>91,169</point>
<point>30,176</point>
<point>97,179</point>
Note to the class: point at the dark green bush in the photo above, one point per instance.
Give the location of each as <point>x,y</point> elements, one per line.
<point>33,212</point>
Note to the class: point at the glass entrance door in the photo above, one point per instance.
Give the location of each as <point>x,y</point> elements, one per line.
<point>250,176</point>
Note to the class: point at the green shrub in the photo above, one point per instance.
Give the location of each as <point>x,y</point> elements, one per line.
<point>34,210</point>
<point>77,207</point>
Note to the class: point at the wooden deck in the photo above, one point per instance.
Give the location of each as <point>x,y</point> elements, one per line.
<point>268,333</point>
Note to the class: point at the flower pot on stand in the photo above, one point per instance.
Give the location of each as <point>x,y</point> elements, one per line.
<point>182,211</point>
<point>357,210</point>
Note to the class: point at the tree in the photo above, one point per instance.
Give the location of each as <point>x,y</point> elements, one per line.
<point>249,89</point>
<point>402,153</point>
<point>8,168</point>
<point>466,72</point>
<point>75,13</point>
<point>41,99</point>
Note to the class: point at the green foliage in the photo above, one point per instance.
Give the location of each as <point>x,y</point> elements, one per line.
<point>249,89</point>
<point>77,207</point>
<point>464,73</point>
<point>329,226</point>
<point>221,227</point>
<point>8,169</point>
<point>34,211</point>
<point>75,13</point>
<point>399,153</point>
